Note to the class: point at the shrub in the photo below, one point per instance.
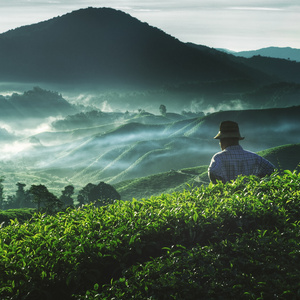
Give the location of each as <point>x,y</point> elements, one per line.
<point>224,241</point>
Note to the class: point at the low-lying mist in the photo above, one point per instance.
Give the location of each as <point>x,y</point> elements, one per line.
<point>112,137</point>
<point>150,101</point>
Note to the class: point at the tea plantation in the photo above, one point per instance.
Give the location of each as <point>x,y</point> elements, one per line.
<point>237,240</point>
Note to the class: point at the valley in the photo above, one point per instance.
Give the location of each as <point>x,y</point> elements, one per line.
<point>116,147</point>
<point>111,110</point>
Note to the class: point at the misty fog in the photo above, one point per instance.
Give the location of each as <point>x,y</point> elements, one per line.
<point>112,137</point>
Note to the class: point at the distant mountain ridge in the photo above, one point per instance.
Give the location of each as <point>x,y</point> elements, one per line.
<point>108,47</point>
<point>274,61</point>
<point>274,52</point>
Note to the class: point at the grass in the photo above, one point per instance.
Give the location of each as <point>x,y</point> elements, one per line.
<point>226,241</point>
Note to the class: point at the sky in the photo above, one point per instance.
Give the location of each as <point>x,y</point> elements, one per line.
<point>234,25</point>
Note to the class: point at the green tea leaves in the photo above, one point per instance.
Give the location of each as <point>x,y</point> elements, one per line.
<point>238,239</point>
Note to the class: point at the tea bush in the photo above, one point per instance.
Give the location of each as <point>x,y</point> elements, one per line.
<point>22,214</point>
<point>224,241</point>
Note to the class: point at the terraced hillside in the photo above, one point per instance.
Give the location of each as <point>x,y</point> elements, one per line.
<point>131,149</point>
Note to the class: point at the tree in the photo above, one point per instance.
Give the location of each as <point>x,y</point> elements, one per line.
<point>163,110</point>
<point>44,199</point>
<point>22,197</point>
<point>66,197</point>
<point>83,194</point>
<point>104,194</point>
<point>100,194</point>
<point>1,193</point>
<point>80,200</point>
<point>10,202</point>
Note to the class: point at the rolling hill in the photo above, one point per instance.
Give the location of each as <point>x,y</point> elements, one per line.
<point>283,157</point>
<point>110,58</point>
<point>133,150</point>
<point>162,183</point>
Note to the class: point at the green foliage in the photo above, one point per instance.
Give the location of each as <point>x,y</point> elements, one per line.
<point>100,194</point>
<point>237,240</point>
<point>21,199</point>
<point>66,196</point>
<point>21,214</point>
<point>44,199</point>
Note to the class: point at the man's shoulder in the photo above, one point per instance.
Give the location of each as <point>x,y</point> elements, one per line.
<point>218,154</point>
<point>236,151</point>
<point>240,149</point>
<point>252,154</point>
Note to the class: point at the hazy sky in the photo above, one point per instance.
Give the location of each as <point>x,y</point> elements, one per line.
<point>235,24</point>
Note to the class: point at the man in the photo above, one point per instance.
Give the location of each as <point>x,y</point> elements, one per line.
<point>233,160</point>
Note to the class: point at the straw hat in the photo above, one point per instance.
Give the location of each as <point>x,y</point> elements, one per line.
<point>229,129</point>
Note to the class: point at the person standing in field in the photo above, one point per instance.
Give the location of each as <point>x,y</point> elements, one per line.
<point>233,160</point>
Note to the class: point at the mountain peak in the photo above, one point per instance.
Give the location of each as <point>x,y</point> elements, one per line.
<point>86,17</point>
<point>104,46</point>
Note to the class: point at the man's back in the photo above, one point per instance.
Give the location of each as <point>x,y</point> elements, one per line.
<point>233,161</point>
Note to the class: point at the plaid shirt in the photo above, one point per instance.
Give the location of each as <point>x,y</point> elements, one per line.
<point>233,161</point>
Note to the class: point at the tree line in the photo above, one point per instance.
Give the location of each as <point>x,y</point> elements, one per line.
<point>39,197</point>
